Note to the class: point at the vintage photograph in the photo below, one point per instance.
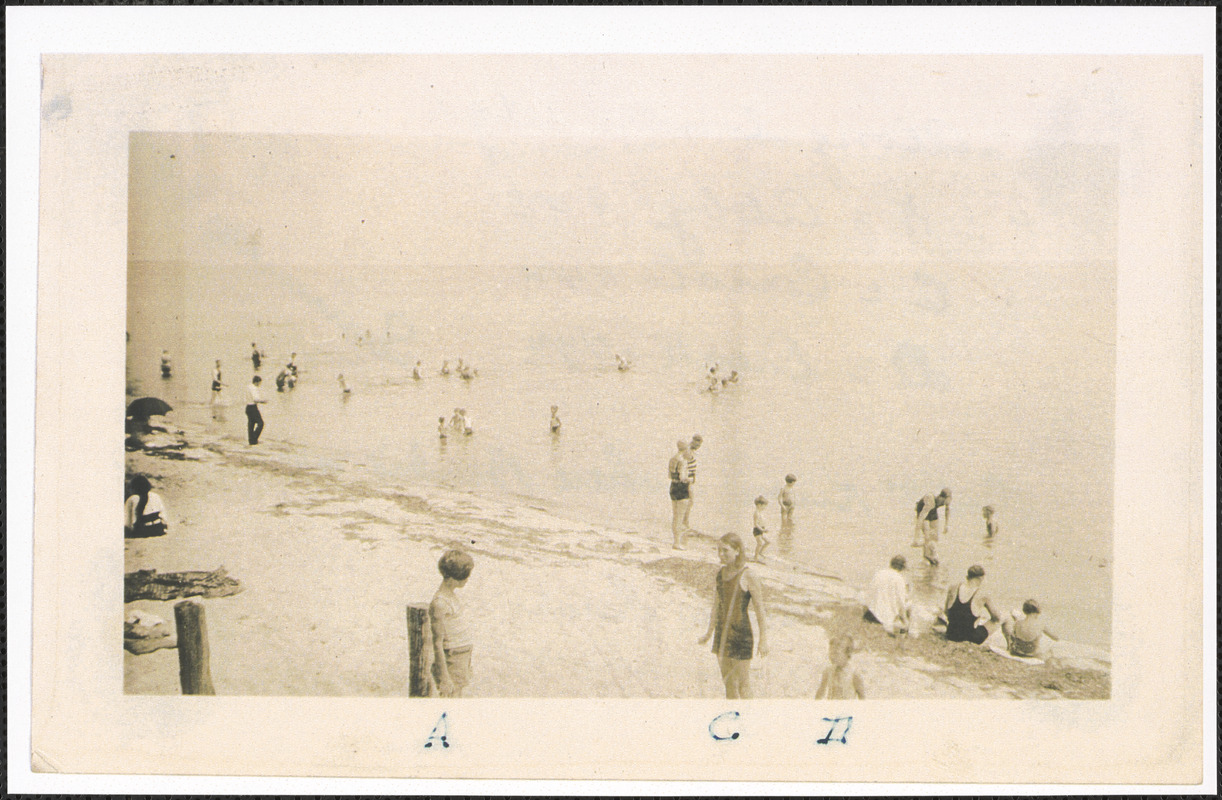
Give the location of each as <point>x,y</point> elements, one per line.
<point>588,411</point>
<point>665,418</point>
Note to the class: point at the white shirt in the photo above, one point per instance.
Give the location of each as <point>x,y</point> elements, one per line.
<point>253,395</point>
<point>154,505</point>
<point>888,597</point>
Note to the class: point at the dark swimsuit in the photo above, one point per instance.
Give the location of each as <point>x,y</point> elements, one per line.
<point>1022,647</point>
<point>740,641</point>
<point>678,489</point>
<point>933,515</point>
<point>961,621</point>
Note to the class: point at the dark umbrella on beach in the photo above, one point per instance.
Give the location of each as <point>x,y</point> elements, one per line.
<point>147,407</point>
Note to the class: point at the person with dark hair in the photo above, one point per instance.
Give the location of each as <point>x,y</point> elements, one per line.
<point>737,590</point>
<point>887,601</point>
<point>927,529</point>
<point>143,511</point>
<point>256,358</point>
<point>451,635</point>
<point>965,609</point>
<point>1025,637</point>
<point>254,420</point>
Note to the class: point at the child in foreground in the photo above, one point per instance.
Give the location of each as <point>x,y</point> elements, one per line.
<point>759,529</point>
<point>840,681</point>
<point>451,636</point>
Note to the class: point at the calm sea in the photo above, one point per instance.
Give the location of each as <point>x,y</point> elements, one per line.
<point>873,385</point>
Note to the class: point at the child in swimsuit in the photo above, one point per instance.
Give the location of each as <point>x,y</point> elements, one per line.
<point>840,681</point>
<point>785,499</point>
<point>759,528</point>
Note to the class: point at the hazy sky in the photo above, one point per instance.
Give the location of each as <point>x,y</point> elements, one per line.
<point>370,200</point>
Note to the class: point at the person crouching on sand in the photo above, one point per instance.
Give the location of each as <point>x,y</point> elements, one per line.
<point>451,632</point>
<point>737,590</point>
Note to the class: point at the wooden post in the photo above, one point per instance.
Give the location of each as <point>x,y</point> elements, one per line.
<point>419,650</point>
<point>193,671</point>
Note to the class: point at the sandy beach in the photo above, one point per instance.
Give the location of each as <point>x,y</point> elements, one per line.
<point>329,558</point>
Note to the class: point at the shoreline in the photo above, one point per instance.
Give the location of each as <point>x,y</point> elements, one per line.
<point>328,558</point>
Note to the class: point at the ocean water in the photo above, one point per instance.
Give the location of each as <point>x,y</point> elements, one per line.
<point>873,385</point>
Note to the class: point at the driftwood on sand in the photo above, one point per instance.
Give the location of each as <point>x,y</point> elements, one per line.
<point>148,584</point>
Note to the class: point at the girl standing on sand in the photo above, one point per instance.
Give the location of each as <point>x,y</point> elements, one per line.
<point>729,624</point>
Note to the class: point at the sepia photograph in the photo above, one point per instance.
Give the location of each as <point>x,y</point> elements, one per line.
<point>600,406</point>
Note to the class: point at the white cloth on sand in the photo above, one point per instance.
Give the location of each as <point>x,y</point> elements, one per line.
<point>887,598</point>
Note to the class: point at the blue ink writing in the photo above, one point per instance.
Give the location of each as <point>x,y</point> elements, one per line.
<point>844,730</point>
<point>439,733</point>
<point>720,728</point>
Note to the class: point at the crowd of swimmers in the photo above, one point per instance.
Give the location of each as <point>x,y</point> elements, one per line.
<point>967,614</point>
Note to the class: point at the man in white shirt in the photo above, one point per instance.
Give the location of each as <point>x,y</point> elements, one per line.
<point>887,602</point>
<point>254,420</point>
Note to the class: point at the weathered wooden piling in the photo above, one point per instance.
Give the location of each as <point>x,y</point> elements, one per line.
<point>193,671</point>
<point>419,642</point>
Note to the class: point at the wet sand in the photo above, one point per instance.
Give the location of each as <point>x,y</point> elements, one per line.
<point>329,557</point>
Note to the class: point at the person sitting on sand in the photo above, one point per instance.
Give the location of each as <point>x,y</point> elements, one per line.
<point>887,599</point>
<point>785,500</point>
<point>456,421</point>
<point>840,681</point>
<point>965,609</point>
<point>990,522</point>
<point>555,421</point>
<point>1025,637</point>
<point>679,498</point>
<point>256,358</point>
<point>737,590</point>
<point>143,511</point>
<point>452,640</point>
<point>759,528</point>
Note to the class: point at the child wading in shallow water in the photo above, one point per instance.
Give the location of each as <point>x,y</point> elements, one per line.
<point>840,681</point>
<point>451,635</point>
<point>759,529</point>
<point>785,499</point>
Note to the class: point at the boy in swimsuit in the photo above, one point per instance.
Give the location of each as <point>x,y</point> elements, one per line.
<point>758,529</point>
<point>451,631</point>
<point>840,682</point>
<point>785,499</point>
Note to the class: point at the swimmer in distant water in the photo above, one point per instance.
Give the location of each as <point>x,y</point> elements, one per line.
<point>216,383</point>
<point>555,422</point>
<point>292,366</point>
<point>445,368</point>
<point>166,368</point>
<point>621,363</point>
<point>343,384</point>
<point>467,372</point>
<point>456,420</point>
<point>416,372</point>
<point>441,427</point>
<point>732,379</point>
<point>466,423</point>
<point>990,522</point>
